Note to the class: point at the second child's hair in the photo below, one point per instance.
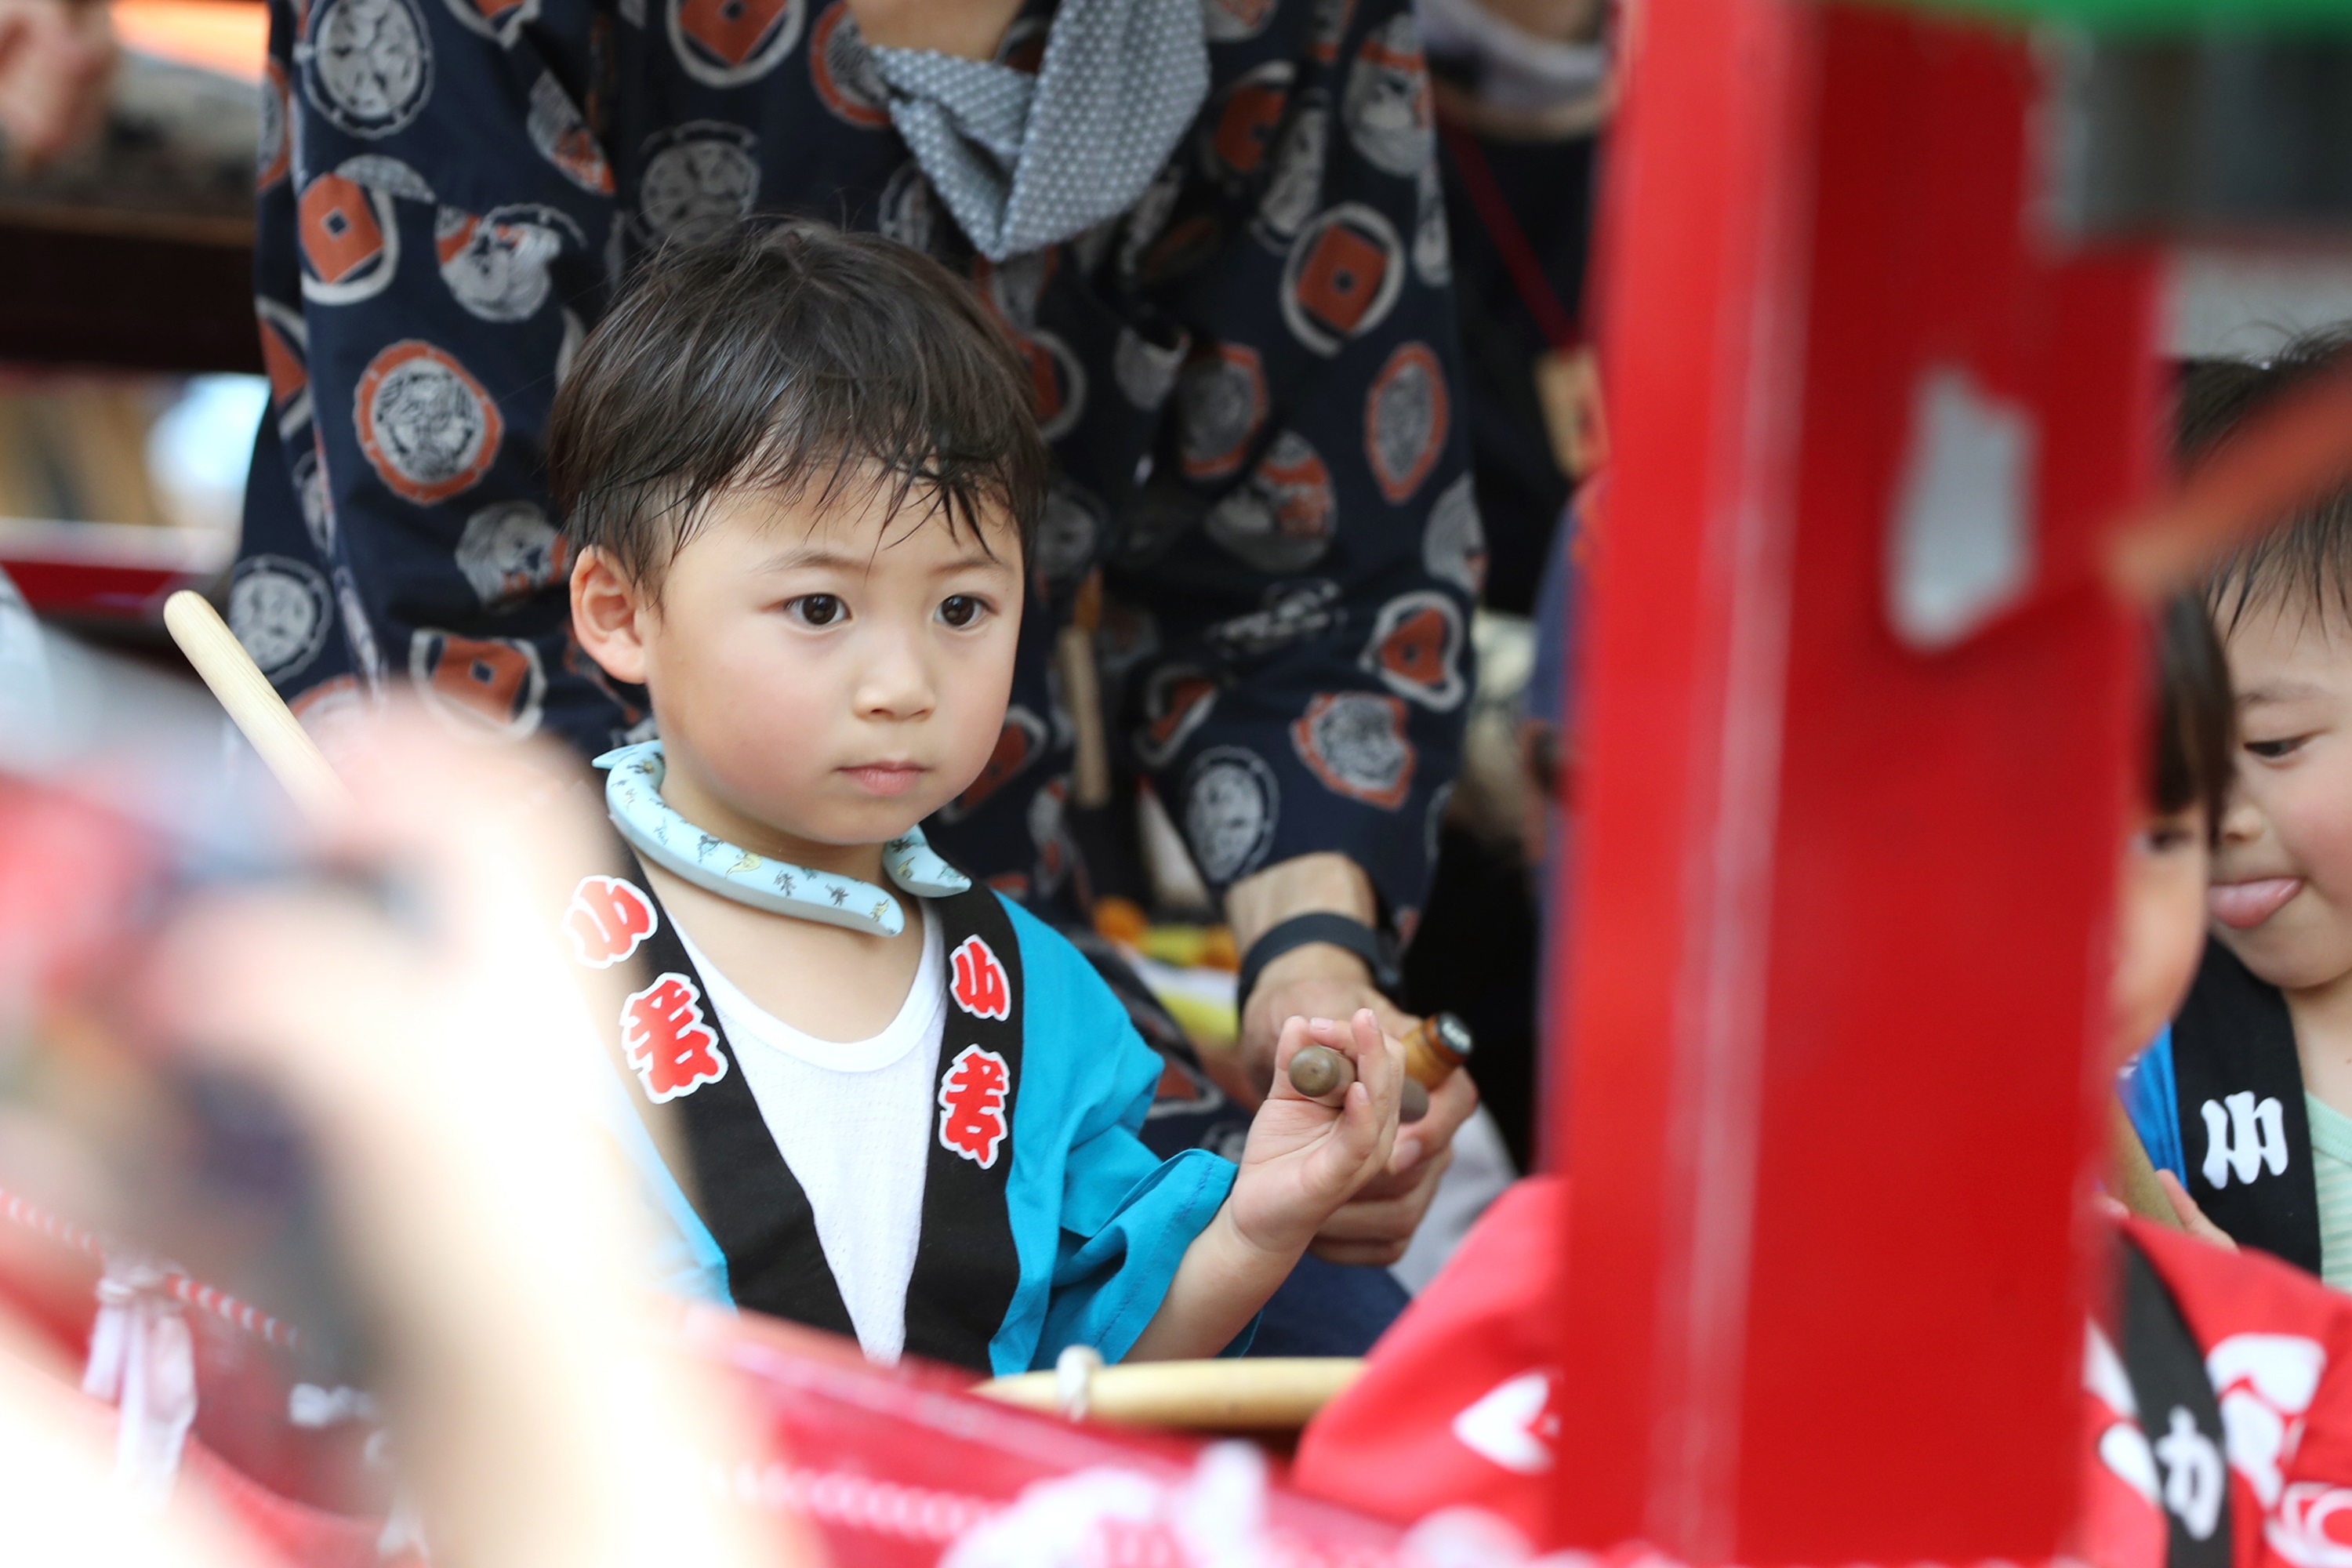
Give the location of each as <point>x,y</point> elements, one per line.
<point>794,358</point>
<point>2308,557</point>
<point>2196,714</point>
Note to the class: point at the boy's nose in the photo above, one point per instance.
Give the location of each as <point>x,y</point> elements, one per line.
<point>2240,822</point>
<point>896,684</point>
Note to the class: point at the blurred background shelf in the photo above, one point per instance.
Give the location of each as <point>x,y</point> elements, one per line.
<point>130,367</point>
<point>137,252</point>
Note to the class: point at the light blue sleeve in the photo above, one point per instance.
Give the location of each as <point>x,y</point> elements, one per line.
<point>1110,1279</point>
<point>1123,1217</point>
<point>2150,1100</point>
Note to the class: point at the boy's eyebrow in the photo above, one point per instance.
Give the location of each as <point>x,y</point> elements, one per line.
<point>970,560</point>
<point>818,555</point>
<point>2280,691</point>
<point>812,555</point>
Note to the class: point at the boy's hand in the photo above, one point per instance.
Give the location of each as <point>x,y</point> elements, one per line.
<point>1306,1157</point>
<point>2192,1218</point>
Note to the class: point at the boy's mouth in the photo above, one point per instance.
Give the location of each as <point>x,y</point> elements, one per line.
<point>2242,906</point>
<point>887,778</point>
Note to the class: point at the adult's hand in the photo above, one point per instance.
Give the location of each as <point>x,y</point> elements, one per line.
<point>1318,981</point>
<point>57,58</point>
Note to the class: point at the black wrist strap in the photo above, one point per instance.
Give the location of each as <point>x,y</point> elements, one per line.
<point>1305,931</point>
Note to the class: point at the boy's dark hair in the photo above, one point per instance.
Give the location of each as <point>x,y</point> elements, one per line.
<point>793,357</point>
<point>2309,555</point>
<point>2196,732</point>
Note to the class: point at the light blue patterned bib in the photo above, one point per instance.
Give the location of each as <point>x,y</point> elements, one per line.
<point>633,796</point>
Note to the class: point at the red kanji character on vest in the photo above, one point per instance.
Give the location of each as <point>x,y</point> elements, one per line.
<point>980,987</point>
<point>606,919</point>
<point>971,1103</point>
<point>674,1051</point>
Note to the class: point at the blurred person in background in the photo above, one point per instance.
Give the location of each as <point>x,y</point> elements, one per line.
<point>1523,89</point>
<point>1217,237</point>
<point>57,58</point>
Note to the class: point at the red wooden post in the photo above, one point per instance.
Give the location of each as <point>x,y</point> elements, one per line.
<point>1861,726</point>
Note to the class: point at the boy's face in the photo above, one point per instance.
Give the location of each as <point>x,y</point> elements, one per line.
<point>2159,924</point>
<point>818,677</point>
<point>2282,895</point>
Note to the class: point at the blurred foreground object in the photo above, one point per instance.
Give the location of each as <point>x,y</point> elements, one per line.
<point>1868,429</point>
<point>1859,677</point>
<point>536,1401</point>
<point>125,732</point>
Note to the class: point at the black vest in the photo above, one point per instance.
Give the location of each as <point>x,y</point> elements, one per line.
<point>666,1041</point>
<point>2178,1415</point>
<point>2244,1133</point>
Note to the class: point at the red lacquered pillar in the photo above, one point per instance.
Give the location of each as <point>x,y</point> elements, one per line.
<point>1861,726</point>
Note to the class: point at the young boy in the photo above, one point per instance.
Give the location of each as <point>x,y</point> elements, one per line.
<point>2250,1100</point>
<point>798,470</point>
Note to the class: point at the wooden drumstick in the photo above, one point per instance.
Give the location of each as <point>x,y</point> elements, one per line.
<point>1265,1393</point>
<point>1433,1048</point>
<point>1318,1070</point>
<point>2134,1174</point>
<point>253,706</point>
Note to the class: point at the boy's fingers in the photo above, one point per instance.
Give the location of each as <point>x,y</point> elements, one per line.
<point>2192,1218</point>
<point>1361,1039</point>
<point>1384,1059</point>
<point>1353,1140</point>
<point>1359,1121</point>
<point>1380,1072</point>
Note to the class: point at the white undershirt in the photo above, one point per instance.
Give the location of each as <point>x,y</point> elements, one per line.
<point>853,1122</point>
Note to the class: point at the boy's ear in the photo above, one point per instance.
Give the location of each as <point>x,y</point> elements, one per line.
<point>608,612</point>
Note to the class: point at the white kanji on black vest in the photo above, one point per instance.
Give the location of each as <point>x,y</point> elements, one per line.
<point>2242,1137</point>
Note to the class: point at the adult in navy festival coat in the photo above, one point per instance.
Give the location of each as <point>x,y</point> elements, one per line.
<point>1214,231</point>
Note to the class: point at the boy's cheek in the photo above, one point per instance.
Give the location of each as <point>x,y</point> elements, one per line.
<point>2311,813</point>
<point>2308,813</point>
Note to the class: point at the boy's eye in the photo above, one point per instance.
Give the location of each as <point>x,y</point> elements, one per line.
<point>962,610</point>
<point>2172,835</point>
<point>2273,750</point>
<point>817,609</point>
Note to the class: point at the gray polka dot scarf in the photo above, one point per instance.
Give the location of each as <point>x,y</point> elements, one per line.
<point>1027,162</point>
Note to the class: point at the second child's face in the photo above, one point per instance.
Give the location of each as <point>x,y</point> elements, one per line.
<point>826,677</point>
<point>2159,924</point>
<point>2282,896</point>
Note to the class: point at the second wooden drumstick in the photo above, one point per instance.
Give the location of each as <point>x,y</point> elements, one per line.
<point>1433,1048</point>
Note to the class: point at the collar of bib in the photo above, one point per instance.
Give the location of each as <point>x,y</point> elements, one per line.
<point>633,781</point>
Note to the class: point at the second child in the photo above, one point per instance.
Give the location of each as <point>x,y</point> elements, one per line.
<point>2249,1101</point>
